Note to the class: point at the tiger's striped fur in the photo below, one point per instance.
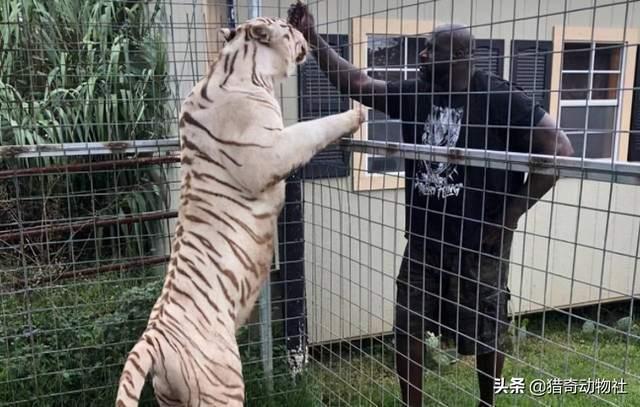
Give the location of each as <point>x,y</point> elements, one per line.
<point>235,154</point>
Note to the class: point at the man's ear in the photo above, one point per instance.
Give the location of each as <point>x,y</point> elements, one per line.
<point>228,33</point>
<point>260,32</point>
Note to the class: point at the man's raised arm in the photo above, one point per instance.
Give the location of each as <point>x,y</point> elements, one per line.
<point>343,75</point>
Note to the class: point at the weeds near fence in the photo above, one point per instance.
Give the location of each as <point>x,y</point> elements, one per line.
<point>65,346</point>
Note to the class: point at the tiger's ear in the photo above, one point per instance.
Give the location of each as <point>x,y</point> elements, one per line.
<point>261,32</point>
<point>228,33</point>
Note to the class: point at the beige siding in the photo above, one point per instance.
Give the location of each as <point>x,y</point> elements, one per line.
<point>354,243</point>
<point>577,250</point>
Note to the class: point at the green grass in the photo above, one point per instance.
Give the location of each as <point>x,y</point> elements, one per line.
<point>366,376</point>
<point>65,346</point>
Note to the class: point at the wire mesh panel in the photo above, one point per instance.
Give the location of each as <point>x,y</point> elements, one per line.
<point>82,236</point>
<point>89,184</point>
<point>413,257</point>
<point>424,272</point>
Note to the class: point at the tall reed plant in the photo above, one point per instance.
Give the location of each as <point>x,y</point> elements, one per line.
<point>83,71</point>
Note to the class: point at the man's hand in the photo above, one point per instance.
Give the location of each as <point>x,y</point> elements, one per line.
<point>342,74</point>
<point>301,19</point>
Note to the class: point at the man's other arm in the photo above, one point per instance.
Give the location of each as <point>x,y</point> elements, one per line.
<point>547,139</point>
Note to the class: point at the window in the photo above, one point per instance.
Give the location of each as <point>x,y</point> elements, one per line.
<point>592,96</point>
<point>394,58</point>
<point>390,59</point>
<point>589,99</point>
<point>388,50</point>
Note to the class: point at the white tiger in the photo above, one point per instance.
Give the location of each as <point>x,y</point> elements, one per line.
<point>235,154</point>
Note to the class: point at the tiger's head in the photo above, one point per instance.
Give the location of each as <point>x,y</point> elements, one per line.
<point>277,46</point>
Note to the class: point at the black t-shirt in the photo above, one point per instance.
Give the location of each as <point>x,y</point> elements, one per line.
<point>492,115</point>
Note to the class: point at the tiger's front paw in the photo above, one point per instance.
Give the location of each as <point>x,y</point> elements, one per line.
<point>357,116</point>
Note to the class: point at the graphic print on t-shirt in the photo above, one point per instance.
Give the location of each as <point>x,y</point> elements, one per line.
<point>442,128</point>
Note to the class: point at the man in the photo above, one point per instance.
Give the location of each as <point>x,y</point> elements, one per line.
<point>460,219</point>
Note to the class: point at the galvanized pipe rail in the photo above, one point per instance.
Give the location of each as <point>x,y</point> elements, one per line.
<point>568,167</point>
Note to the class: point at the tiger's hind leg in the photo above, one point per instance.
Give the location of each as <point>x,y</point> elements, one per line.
<point>165,398</point>
<point>226,372</point>
<point>198,378</point>
<point>171,371</point>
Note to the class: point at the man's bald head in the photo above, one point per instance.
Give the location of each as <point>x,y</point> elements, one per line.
<point>446,60</point>
<point>457,36</point>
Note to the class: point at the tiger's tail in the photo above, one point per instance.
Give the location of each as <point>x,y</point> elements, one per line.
<point>138,364</point>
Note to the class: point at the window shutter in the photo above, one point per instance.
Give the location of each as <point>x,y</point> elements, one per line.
<point>317,97</point>
<point>531,68</point>
<point>489,56</point>
<point>634,138</point>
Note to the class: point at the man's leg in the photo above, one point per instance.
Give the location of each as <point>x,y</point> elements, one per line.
<point>486,326</point>
<point>489,367</point>
<point>409,359</point>
<point>493,322</point>
<point>409,329</point>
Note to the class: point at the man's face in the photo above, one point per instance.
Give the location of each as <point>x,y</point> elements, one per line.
<point>445,61</point>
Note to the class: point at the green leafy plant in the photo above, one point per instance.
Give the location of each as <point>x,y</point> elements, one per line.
<point>79,71</point>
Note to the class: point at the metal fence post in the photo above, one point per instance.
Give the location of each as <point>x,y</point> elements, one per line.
<point>291,247</point>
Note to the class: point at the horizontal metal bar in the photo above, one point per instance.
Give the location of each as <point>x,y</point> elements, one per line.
<point>84,273</point>
<point>88,167</point>
<point>74,227</point>
<point>568,167</point>
<point>94,148</point>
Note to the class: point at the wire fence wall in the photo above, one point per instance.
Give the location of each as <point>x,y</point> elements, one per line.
<point>77,253</point>
<point>89,184</point>
<point>89,98</point>
<point>572,334</point>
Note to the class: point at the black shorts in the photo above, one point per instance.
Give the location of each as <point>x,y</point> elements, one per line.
<point>461,298</point>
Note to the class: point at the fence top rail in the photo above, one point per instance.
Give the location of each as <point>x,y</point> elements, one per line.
<point>568,167</point>
<point>89,149</point>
